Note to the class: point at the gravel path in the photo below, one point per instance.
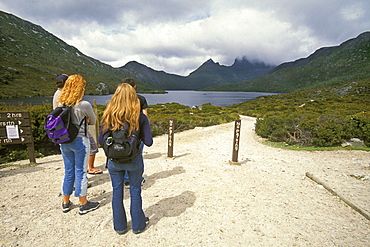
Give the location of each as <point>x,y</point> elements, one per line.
<point>198,199</point>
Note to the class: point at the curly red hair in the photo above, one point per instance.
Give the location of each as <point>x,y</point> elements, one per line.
<point>73,90</point>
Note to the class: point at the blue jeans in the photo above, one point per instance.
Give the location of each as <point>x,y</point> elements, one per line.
<point>135,170</point>
<point>75,156</point>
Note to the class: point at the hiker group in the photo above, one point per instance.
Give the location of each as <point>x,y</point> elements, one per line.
<point>124,132</point>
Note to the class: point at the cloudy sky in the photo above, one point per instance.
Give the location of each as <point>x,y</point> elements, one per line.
<point>178,36</point>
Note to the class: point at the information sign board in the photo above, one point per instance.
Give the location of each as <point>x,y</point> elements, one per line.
<point>15,128</point>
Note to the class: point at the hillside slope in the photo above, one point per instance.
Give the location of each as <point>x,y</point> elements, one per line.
<point>31,58</point>
<point>159,79</point>
<point>329,66</point>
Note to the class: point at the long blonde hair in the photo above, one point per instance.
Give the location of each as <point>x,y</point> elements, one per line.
<point>73,90</point>
<point>123,107</point>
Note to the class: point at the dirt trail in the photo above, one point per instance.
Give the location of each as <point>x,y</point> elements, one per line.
<point>198,199</point>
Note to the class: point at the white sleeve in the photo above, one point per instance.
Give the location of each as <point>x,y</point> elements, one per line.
<point>55,98</point>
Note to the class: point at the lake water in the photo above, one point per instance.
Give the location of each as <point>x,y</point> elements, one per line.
<point>188,98</point>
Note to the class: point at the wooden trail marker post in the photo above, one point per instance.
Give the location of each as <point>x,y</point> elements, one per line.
<point>96,124</point>
<point>170,138</point>
<point>15,128</point>
<point>237,127</point>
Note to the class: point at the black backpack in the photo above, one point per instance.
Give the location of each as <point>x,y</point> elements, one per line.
<point>59,127</point>
<point>120,147</point>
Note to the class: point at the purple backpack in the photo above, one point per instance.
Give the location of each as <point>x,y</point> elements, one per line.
<point>59,127</point>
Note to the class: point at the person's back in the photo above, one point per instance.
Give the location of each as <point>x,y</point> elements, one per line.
<point>124,107</point>
<point>76,153</point>
<point>144,109</point>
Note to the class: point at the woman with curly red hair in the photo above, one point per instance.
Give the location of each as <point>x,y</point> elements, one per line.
<point>75,154</point>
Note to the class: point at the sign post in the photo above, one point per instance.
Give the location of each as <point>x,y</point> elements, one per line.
<point>97,127</point>
<point>237,127</point>
<point>15,128</point>
<point>170,138</point>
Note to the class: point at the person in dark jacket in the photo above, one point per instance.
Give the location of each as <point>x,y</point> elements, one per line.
<point>144,109</point>
<point>124,108</point>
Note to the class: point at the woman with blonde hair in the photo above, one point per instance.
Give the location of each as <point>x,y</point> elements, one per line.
<point>75,154</point>
<point>124,111</point>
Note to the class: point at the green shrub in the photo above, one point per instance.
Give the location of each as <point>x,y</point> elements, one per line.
<point>310,130</point>
<point>273,127</point>
<point>305,132</point>
<point>329,132</point>
<point>359,127</point>
<point>159,115</point>
<point>310,118</point>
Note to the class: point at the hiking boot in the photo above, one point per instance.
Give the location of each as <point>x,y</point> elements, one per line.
<point>89,206</point>
<point>66,206</point>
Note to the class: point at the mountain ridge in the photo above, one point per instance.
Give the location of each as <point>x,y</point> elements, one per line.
<point>327,66</point>
<point>32,57</point>
<point>207,74</point>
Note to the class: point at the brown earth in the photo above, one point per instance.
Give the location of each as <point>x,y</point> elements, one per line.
<point>198,199</point>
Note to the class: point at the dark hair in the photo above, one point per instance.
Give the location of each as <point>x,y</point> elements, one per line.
<point>130,81</point>
<point>60,80</point>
